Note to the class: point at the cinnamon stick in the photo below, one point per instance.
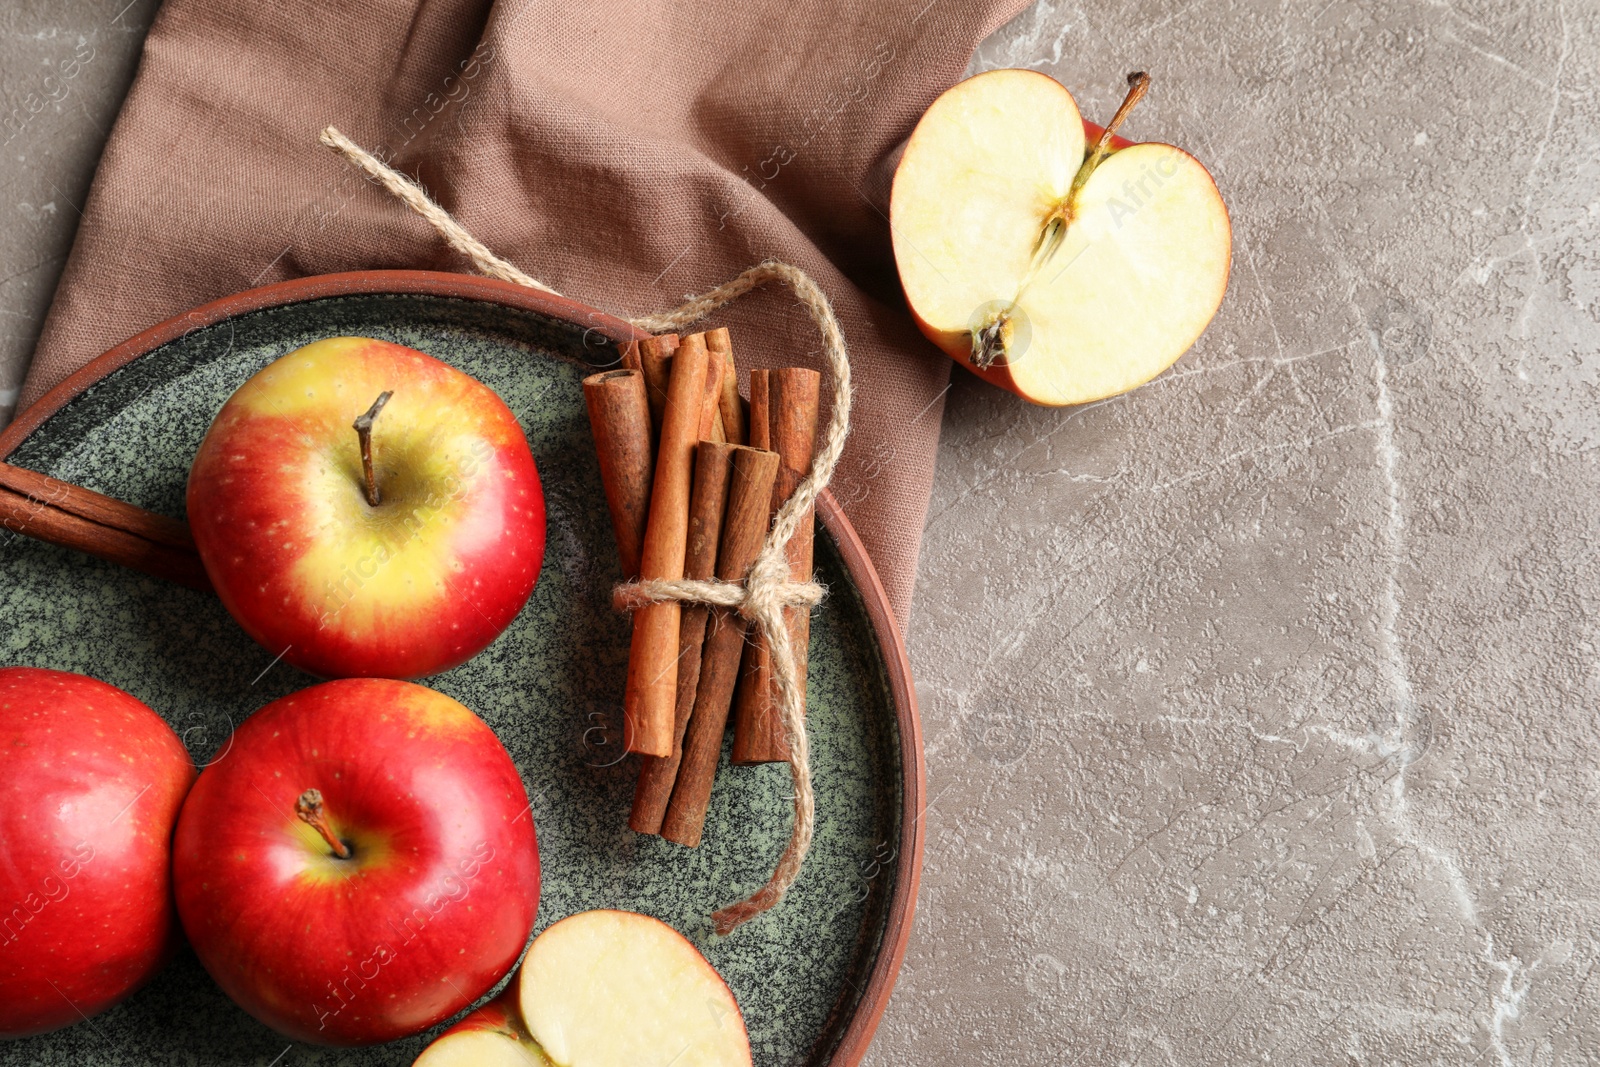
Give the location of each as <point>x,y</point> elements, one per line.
<point>793,397</point>
<point>619,415</point>
<point>758,432</point>
<point>655,361</point>
<point>728,405</point>
<point>71,516</point>
<point>628,355</point>
<point>712,468</point>
<point>711,413</point>
<point>650,696</point>
<point>743,531</point>
<point>755,670</point>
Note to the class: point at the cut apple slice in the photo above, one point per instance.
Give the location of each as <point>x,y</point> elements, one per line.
<point>1062,274</point>
<point>492,1036</point>
<point>617,989</point>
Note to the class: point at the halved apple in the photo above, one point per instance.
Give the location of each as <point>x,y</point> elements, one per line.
<point>1063,271</point>
<point>492,1036</point>
<point>617,989</point>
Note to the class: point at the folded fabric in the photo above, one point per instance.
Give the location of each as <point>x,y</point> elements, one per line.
<point>625,153</point>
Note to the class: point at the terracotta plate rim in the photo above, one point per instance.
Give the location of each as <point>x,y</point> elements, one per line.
<point>874,1000</point>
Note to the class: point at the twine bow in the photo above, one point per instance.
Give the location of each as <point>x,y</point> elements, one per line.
<point>767,589</point>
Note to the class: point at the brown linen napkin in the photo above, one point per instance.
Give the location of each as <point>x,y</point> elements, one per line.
<point>625,152</point>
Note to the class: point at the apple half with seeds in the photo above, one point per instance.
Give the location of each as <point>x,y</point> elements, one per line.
<point>1049,256</point>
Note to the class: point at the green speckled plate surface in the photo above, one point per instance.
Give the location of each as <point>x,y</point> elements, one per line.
<point>811,976</point>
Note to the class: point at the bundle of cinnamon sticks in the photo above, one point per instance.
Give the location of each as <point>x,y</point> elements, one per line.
<point>692,479</point>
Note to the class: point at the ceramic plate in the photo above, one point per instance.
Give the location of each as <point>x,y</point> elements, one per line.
<point>812,976</point>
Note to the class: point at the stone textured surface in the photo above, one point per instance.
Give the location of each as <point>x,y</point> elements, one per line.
<point>64,67</point>
<point>1258,702</point>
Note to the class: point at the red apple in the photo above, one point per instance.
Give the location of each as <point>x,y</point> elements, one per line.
<point>90,785</point>
<point>400,559</point>
<point>360,865</point>
<point>1063,270</point>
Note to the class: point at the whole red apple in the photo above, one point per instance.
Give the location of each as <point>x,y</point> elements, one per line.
<point>360,865</point>
<point>397,550</point>
<point>90,785</point>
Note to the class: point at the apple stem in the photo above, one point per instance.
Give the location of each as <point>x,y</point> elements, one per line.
<point>1138,85</point>
<point>309,805</point>
<point>363,428</point>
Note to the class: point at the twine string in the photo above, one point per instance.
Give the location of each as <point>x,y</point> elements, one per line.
<point>768,589</point>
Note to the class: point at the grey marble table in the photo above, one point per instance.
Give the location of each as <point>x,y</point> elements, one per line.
<point>1259,702</point>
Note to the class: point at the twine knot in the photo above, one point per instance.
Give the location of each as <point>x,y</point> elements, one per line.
<point>767,588</point>
<point>756,598</point>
